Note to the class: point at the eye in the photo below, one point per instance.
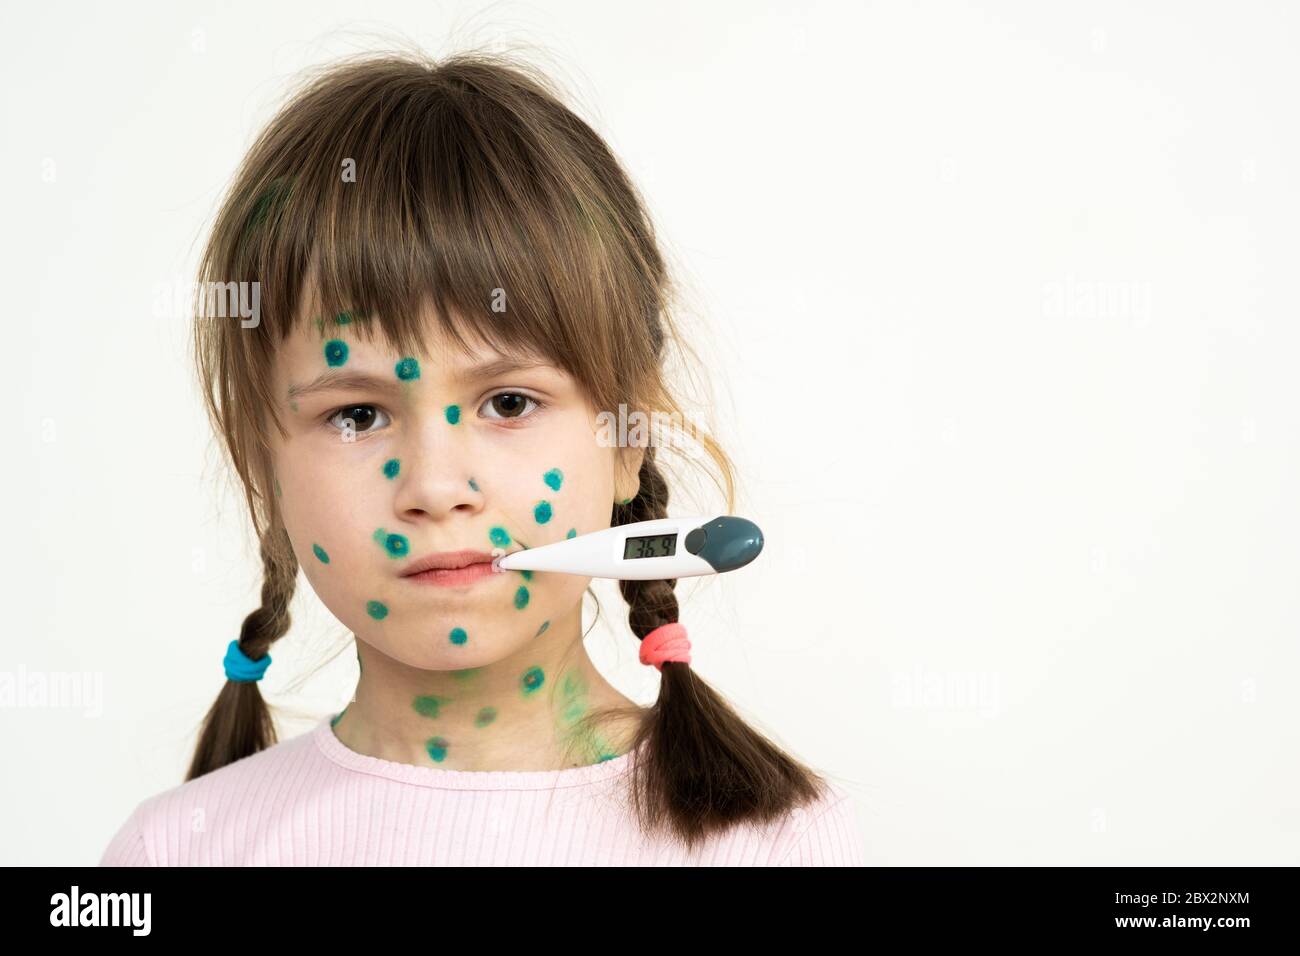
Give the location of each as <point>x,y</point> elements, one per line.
<point>510,405</point>
<point>363,418</point>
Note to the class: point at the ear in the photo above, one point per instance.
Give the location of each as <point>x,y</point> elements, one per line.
<point>627,472</point>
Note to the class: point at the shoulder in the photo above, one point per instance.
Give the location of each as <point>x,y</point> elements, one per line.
<point>823,833</point>
<point>164,829</point>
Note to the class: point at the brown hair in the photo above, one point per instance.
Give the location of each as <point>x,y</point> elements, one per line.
<point>470,176</point>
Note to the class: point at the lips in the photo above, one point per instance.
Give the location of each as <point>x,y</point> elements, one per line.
<point>449,568</point>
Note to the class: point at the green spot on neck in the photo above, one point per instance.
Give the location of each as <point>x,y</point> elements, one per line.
<point>532,680</point>
<point>428,705</point>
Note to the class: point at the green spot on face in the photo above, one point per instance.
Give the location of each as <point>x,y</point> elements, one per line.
<point>473,485</point>
<point>338,717</point>
<point>336,352</point>
<point>408,369</point>
<point>395,544</point>
<point>499,537</point>
<point>392,467</point>
<point>528,575</point>
<point>542,512</point>
<point>465,673</point>
<point>293,406</point>
<point>532,680</point>
<point>458,635</point>
<point>428,704</point>
<point>376,610</point>
<point>437,748</point>
<point>485,716</point>
<point>277,488</point>
<point>625,501</point>
<point>343,318</point>
<point>540,630</point>
<point>554,478</point>
<point>521,598</point>
<point>320,553</point>
<point>573,533</point>
<point>453,414</point>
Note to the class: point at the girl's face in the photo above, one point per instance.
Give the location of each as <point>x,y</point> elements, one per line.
<point>390,458</point>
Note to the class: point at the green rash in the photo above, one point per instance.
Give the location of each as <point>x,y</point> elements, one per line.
<point>293,406</point>
<point>573,533</point>
<point>485,716</point>
<point>625,501</point>
<point>277,488</point>
<point>542,512</point>
<point>573,703</point>
<point>499,536</point>
<point>392,467</point>
<point>408,369</point>
<point>336,352</point>
<point>437,747</point>
<point>343,318</point>
<point>320,553</point>
<point>541,630</point>
<point>376,610</point>
<point>338,717</point>
<point>532,680</point>
<point>554,478</point>
<point>428,704</point>
<point>458,635</point>
<point>453,414</point>
<point>270,202</point>
<point>473,485</point>
<point>395,544</point>
<point>574,691</point>
<point>465,673</point>
<point>521,598</point>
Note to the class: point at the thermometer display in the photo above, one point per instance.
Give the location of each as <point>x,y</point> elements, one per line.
<point>651,546</point>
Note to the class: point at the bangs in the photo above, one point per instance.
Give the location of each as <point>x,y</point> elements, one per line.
<point>434,200</point>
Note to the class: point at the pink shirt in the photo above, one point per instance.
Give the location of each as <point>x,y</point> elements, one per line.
<point>310,801</point>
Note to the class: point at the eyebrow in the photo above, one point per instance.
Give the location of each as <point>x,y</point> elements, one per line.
<point>353,381</point>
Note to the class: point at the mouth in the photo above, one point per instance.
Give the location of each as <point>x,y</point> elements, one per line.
<point>449,568</point>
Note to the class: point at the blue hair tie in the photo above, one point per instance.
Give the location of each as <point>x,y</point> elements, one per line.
<point>239,667</point>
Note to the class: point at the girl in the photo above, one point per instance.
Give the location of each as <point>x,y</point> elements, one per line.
<point>454,278</point>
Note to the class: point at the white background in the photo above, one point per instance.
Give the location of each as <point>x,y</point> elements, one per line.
<point>1001,312</point>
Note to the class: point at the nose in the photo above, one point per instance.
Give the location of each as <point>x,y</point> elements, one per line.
<point>435,475</point>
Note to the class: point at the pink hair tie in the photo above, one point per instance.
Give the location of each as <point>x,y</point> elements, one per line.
<point>667,642</point>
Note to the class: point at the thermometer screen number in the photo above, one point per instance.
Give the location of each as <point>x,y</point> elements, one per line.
<point>651,546</point>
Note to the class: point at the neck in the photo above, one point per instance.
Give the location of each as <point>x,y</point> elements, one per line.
<point>522,712</point>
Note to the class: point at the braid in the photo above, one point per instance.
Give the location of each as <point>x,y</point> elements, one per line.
<point>650,603</point>
<point>239,723</point>
<point>704,769</point>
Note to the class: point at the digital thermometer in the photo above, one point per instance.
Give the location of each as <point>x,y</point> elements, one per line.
<point>661,549</point>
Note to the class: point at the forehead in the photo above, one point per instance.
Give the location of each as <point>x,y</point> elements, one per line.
<point>322,358</point>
